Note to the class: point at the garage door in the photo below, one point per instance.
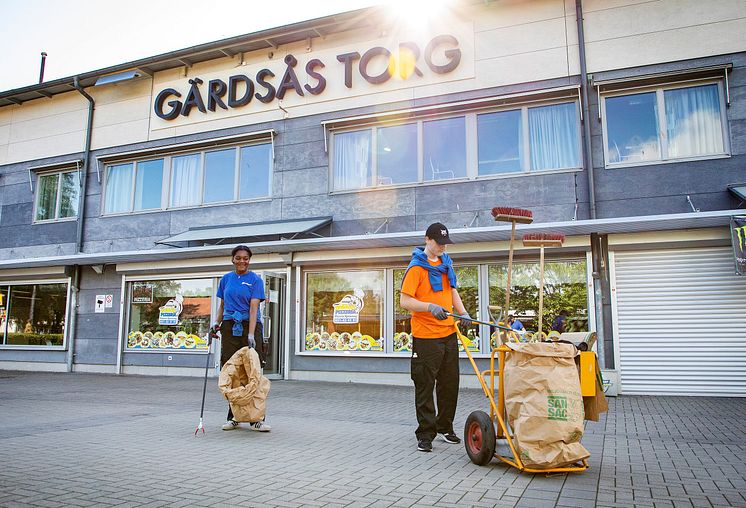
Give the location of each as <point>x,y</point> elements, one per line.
<point>681,322</point>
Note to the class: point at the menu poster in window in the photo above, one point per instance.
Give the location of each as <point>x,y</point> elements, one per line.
<point>347,310</point>
<point>142,292</point>
<point>168,315</point>
<point>738,237</point>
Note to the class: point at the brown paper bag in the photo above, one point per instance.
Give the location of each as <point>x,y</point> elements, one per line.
<point>544,404</point>
<point>597,404</point>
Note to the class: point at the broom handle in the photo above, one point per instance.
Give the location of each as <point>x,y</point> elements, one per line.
<point>510,269</point>
<point>541,288</point>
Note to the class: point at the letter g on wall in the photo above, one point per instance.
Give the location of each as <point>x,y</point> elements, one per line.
<point>174,104</point>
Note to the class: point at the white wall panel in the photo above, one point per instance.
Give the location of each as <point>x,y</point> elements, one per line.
<point>680,322</point>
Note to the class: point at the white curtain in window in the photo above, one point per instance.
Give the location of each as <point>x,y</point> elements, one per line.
<point>185,180</point>
<point>119,188</point>
<point>693,121</point>
<point>352,160</point>
<point>553,135</point>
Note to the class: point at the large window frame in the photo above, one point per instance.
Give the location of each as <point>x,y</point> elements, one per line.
<point>168,172</point>
<point>395,346</point>
<point>471,148</point>
<point>662,123</point>
<point>6,308</point>
<point>60,175</point>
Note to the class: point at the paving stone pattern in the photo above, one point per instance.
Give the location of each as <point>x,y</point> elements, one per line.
<point>97,440</point>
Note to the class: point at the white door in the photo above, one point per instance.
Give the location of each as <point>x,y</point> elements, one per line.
<point>680,322</point>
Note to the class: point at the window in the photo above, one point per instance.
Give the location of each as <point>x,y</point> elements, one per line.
<point>33,314</point>
<point>215,176</point>
<point>564,289</point>
<point>167,315</point>
<point>536,138</point>
<point>664,124</point>
<point>57,196</point>
<point>344,311</point>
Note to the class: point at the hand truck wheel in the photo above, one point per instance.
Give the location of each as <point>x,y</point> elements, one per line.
<point>479,438</point>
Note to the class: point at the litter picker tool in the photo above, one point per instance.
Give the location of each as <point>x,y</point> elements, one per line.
<point>542,240</point>
<point>514,216</point>
<point>211,334</point>
<point>501,327</point>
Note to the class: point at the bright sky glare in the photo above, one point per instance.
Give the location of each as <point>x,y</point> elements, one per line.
<point>81,36</point>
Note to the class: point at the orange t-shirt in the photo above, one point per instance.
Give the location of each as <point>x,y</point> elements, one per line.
<point>417,285</point>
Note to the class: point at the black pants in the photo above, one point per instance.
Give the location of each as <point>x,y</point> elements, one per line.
<point>435,366</point>
<point>231,344</point>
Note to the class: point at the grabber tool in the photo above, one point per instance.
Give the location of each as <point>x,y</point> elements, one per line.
<point>501,327</point>
<point>211,334</point>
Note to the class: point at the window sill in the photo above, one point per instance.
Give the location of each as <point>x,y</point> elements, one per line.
<point>20,347</point>
<point>622,165</point>
<point>374,354</point>
<point>169,351</point>
<point>55,221</point>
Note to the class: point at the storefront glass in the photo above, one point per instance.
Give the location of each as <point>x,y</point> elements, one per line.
<point>564,289</point>
<point>165,315</point>
<point>344,311</point>
<point>33,314</point>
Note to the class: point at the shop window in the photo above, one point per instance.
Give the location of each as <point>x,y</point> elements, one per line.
<point>167,315</point>
<point>216,176</point>
<point>565,289</point>
<point>344,311</point>
<point>57,196</point>
<point>664,124</point>
<point>33,314</point>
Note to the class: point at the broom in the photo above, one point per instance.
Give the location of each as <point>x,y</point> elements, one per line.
<point>542,240</point>
<point>512,215</point>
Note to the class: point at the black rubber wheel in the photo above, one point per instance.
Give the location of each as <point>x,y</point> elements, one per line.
<point>479,438</point>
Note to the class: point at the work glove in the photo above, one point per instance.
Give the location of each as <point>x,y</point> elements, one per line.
<point>214,330</point>
<point>465,316</point>
<point>437,311</point>
<point>252,342</point>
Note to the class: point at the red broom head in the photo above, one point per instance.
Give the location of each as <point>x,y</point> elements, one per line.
<point>543,239</point>
<point>509,214</point>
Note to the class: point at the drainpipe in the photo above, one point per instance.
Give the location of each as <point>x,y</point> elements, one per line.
<point>587,151</point>
<point>75,303</point>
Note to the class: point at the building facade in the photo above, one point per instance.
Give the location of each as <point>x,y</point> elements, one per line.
<point>328,146</point>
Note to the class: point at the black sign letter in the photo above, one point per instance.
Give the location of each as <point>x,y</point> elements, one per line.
<point>233,81</point>
<point>216,89</point>
<point>175,105</point>
<point>270,89</point>
<point>365,60</point>
<point>454,55</point>
<point>347,59</point>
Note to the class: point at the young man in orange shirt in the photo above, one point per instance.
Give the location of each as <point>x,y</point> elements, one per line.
<point>429,293</point>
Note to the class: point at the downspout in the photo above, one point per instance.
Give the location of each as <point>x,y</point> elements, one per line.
<point>75,303</point>
<point>587,150</point>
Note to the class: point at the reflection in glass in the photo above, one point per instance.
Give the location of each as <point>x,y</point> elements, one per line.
<point>36,314</point>
<point>344,311</point>
<point>185,180</point>
<point>553,136</point>
<point>632,128</point>
<point>444,148</point>
<point>693,121</point>
<point>69,192</point>
<point>500,142</point>
<point>352,160</point>
<point>219,175</point>
<point>397,154</point>
<point>148,183</point>
<point>118,188</point>
<point>150,304</point>
<point>255,171</point>
<point>564,289</point>
<point>46,203</point>
<point>3,312</point>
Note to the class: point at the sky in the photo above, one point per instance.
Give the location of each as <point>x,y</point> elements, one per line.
<point>81,36</point>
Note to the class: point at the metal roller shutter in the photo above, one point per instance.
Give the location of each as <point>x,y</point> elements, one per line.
<point>681,322</point>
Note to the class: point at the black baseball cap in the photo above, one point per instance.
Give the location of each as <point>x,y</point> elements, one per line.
<point>439,233</point>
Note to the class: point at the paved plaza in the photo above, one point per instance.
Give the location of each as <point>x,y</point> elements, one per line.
<point>100,440</point>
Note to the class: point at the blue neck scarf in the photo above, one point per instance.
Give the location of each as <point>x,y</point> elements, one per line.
<point>419,258</point>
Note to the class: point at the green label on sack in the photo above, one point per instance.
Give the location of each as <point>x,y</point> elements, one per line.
<point>557,408</point>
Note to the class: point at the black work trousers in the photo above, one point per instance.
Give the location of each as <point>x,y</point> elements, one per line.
<point>435,367</point>
<point>231,343</point>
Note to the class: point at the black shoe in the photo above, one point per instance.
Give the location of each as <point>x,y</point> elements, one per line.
<point>450,437</point>
<point>425,445</point>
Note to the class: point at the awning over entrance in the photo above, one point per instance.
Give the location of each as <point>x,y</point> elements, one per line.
<point>272,230</point>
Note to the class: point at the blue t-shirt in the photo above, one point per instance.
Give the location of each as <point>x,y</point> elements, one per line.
<point>517,325</point>
<point>238,290</point>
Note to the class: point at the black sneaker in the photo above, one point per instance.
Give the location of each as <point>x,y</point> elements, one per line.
<point>450,437</point>
<point>425,445</point>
